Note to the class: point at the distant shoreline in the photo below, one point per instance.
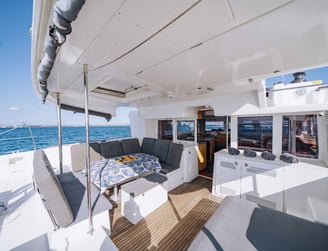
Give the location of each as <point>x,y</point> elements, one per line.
<point>39,126</point>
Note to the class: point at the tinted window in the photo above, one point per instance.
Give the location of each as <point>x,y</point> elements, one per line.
<point>255,133</point>
<point>186,130</point>
<point>165,129</point>
<point>300,135</point>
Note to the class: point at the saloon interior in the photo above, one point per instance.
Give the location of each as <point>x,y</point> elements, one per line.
<point>210,132</point>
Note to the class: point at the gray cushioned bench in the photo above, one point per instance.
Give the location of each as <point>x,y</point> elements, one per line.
<point>64,196</point>
<point>168,152</point>
<point>242,225</point>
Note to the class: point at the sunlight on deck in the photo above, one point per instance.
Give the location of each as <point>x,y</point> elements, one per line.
<point>174,225</point>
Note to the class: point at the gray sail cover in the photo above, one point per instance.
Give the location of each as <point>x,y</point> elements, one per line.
<point>65,12</point>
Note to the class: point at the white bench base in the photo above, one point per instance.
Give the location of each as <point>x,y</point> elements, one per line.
<point>141,197</point>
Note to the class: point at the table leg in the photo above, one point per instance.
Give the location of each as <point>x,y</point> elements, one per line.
<point>115,194</point>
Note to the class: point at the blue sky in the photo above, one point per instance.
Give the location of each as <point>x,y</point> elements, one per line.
<point>19,102</point>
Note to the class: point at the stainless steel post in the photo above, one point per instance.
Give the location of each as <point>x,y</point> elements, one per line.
<point>60,141</point>
<point>87,136</point>
<point>227,132</point>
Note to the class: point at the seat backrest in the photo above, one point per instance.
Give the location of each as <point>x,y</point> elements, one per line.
<point>147,145</point>
<point>109,149</point>
<point>174,155</point>
<point>161,149</point>
<point>130,146</point>
<point>95,146</point>
<point>78,156</point>
<point>51,190</point>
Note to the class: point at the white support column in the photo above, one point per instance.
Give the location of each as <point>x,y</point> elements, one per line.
<point>277,134</point>
<point>234,131</point>
<point>322,126</point>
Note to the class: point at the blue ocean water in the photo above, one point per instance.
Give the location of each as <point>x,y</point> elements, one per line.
<point>19,139</point>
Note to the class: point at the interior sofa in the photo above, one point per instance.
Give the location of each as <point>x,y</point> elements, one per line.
<point>168,153</point>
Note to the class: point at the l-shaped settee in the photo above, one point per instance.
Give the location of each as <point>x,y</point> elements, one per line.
<point>168,153</point>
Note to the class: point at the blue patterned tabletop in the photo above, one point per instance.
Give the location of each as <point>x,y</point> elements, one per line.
<point>108,172</point>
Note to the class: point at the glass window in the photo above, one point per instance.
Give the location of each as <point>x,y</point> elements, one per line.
<point>300,135</point>
<point>214,126</point>
<point>255,133</point>
<point>186,130</point>
<point>165,129</point>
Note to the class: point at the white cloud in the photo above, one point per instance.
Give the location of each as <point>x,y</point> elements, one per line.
<point>14,109</point>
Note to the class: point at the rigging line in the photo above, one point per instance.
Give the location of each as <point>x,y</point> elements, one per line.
<point>147,39</point>
<point>8,130</point>
<point>27,137</point>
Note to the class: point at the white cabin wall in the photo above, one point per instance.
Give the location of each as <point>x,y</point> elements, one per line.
<point>305,193</point>
<point>236,104</point>
<point>163,111</point>
<point>136,124</point>
<point>151,128</point>
<point>222,105</point>
<point>262,94</point>
<point>141,127</point>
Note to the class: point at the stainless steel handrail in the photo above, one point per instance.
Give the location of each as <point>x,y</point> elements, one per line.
<point>18,138</point>
<point>29,128</point>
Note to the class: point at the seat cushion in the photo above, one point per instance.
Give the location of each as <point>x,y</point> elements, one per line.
<point>147,145</point>
<point>130,146</point>
<point>174,155</point>
<point>74,186</point>
<point>50,189</point>
<point>111,149</point>
<point>166,168</point>
<point>74,191</point>
<point>161,149</point>
<point>240,223</point>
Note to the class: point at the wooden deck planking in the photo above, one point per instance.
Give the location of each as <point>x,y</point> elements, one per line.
<point>174,225</point>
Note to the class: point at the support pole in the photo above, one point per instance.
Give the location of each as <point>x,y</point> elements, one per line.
<point>87,136</point>
<point>227,132</point>
<point>60,137</point>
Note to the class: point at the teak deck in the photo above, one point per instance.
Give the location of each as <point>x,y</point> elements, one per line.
<point>174,225</point>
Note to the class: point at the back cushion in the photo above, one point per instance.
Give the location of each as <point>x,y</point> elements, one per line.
<point>174,155</point>
<point>161,149</point>
<point>78,156</point>
<point>147,145</point>
<point>111,149</point>
<point>50,189</point>
<point>95,146</point>
<point>130,146</point>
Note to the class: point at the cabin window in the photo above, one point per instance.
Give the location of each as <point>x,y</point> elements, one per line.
<point>165,129</point>
<point>255,133</point>
<point>300,135</point>
<point>186,130</point>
